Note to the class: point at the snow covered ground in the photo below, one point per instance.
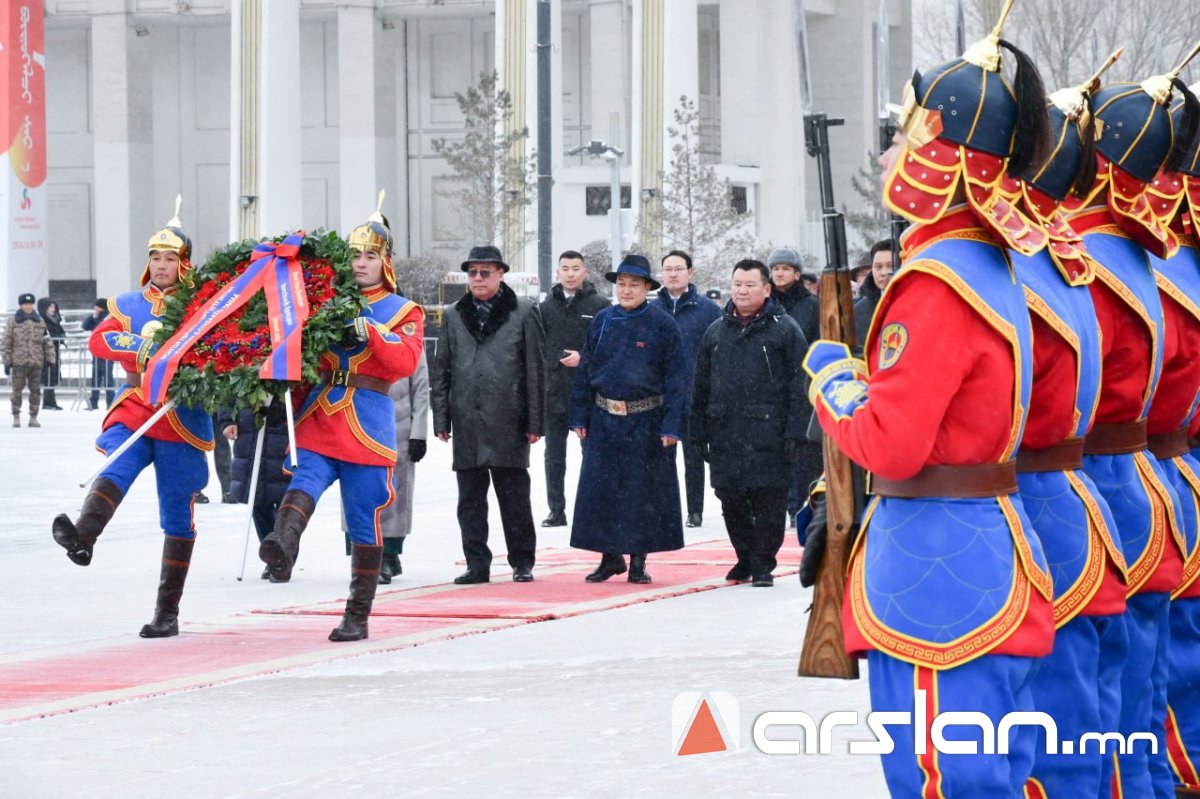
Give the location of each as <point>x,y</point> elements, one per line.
<point>573,707</point>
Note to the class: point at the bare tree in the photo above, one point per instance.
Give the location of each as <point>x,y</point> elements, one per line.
<point>420,276</point>
<point>490,180</point>
<point>1069,40</point>
<point>696,213</point>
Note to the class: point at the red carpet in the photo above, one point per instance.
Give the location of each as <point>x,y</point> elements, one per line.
<point>287,638</point>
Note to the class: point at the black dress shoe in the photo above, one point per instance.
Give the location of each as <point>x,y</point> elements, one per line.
<point>694,520</point>
<point>199,498</point>
<point>471,577</point>
<point>610,566</point>
<point>266,575</point>
<point>740,573</point>
<point>555,520</point>
<point>637,569</point>
<point>763,580</point>
<point>389,567</point>
<point>523,574</point>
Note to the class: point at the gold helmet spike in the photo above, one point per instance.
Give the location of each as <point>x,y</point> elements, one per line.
<point>1073,101</point>
<point>1159,87</point>
<point>377,216</point>
<point>373,235</point>
<point>985,53</point>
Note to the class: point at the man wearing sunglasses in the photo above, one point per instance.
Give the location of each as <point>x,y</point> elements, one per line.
<point>487,392</point>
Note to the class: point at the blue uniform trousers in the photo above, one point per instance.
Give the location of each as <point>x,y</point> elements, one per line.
<point>1144,701</point>
<point>1183,692</point>
<point>180,471</point>
<point>1079,686</point>
<point>366,491</point>
<point>993,685</point>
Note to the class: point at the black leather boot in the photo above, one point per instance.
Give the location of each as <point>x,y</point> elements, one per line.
<point>364,579</point>
<point>98,508</point>
<point>176,558</point>
<point>610,566</point>
<point>637,569</point>
<point>280,548</point>
<point>389,568</point>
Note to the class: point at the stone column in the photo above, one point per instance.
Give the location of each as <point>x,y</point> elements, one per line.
<point>513,77</point>
<point>279,176</point>
<point>122,151</point>
<point>649,122</point>
<point>781,134</point>
<point>356,115</point>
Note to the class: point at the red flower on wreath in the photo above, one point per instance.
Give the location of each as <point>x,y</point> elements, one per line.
<point>229,344</point>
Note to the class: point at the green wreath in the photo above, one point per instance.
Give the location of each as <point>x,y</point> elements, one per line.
<point>221,370</point>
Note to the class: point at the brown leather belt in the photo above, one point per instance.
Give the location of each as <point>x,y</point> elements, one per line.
<point>1115,439</point>
<point>339,377</point>
<point>1168,445</point>
<point>984,480</point>
<point>133,379</point>
<point>1061,457</point>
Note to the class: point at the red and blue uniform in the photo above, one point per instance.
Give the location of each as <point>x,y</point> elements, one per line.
<point>1132,333</point>
<point>177,442</point>
<point>951,596</point>
<point>1075,685</point>
<point>348,433</point>
<point>1172,413</point>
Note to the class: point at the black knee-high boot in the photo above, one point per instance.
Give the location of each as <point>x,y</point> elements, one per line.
<point>364,579</point>
<point>280,548</point>
<point>176,558</point>
<point>79,538</point>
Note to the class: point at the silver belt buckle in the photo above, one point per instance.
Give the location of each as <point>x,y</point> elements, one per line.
<point>618,407</point>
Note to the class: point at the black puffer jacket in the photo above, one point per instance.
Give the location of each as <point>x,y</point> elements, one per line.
<point>272,481</point>
<point>488,387</point>
<point>748,398</point>
<point>803,306</point>
<point>566,328</point>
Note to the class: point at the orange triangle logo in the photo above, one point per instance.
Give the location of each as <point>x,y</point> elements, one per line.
<point>704,735</point>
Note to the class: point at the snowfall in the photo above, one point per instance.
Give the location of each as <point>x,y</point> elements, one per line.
<point>585,701</point>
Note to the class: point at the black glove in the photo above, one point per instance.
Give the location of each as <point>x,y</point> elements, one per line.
<point>791,449</point>
<point>416,449</point>
<point>814,542</point>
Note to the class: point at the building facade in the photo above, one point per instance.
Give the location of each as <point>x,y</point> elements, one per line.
<point>270,115</point>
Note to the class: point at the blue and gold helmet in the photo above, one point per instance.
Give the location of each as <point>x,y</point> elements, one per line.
<point>964,123</point>
<point>170,238</point>
<point>375,235</point>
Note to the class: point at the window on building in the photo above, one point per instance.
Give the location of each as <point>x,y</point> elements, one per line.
<point>598,199</point>
<point>709,65</point>
<point>737,199</point>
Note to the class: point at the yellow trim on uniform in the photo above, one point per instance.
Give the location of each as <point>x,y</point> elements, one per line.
<point>1081,592</point>
<point>1191,564</point>
<point>1044,312</point>
<point>997,322</point>
<point>979,641</point>
<point>1145,564</point>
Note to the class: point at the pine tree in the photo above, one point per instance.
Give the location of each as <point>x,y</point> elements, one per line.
<point>871,220</point>
<point>492,181</point>
<point>696,213</point>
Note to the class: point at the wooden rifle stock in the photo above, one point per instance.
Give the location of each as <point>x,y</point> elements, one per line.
<point>824,651</point>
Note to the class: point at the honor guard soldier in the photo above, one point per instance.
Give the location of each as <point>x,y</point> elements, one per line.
<point>1079,683</point>
<point>346,427</point>
<point>1115,219</point>
<point>175,444</point>
<point>1175,197</point>
<point>948,590</point>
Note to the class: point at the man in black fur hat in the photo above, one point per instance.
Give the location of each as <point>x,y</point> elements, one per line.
<point>488,392</point>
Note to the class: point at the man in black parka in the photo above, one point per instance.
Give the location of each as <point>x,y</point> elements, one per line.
<point>566,313</point>
<point>748,414</point>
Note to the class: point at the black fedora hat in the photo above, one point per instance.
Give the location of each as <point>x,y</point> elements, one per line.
<point>635,265</point>
<point>485,254</point>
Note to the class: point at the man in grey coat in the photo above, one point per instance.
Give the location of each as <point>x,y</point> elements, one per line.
<point>410,397</point>
<point>488,392</point>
